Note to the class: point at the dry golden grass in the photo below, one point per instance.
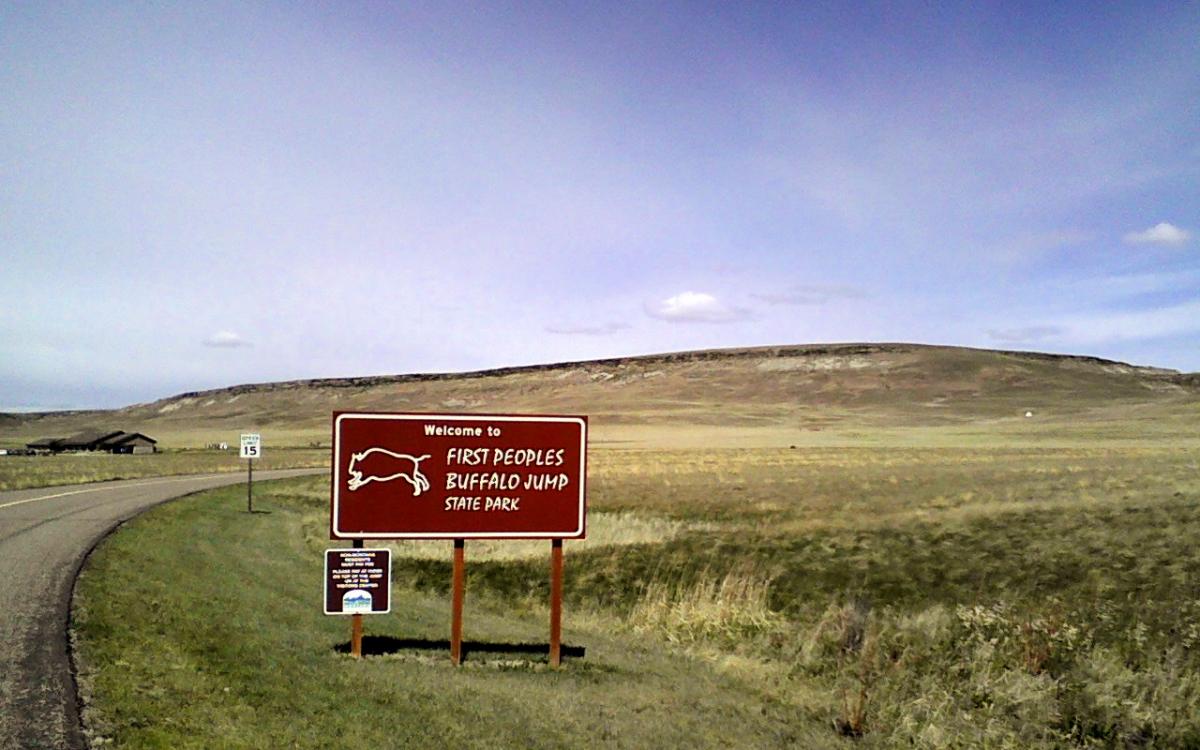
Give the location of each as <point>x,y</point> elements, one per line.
<point>21,472</point>
<point>729,609</point>
<point>603,530</point>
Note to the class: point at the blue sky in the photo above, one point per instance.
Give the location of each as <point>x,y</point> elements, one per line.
<point>195,195</point>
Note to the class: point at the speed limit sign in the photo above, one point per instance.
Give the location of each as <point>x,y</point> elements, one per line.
<point>251,445</point>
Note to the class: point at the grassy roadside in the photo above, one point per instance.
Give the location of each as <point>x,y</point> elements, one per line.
<point>1003,597</point>
<point>199,625</point>
<point>23,472</point>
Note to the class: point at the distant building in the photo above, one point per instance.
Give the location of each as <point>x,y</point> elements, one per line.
<point>45,445</point>
<point>130,442</point>
<point>88,440</point>
<point>111,441</point>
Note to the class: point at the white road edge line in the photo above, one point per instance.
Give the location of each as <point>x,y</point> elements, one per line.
<point>111,487</point>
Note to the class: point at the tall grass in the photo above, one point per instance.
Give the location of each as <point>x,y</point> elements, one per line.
<point>728,609</point>
<point>604,529</point>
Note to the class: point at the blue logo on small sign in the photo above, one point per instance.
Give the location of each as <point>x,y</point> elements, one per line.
<point>356,601</point>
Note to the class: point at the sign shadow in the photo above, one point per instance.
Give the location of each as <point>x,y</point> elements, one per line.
<point>382,645</point>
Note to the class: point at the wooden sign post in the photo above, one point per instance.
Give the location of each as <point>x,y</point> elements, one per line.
<point>356,622</point>
<point>459,477</point>
<point>456,601</point>
<point>356,636</point>
<point>556,583</point>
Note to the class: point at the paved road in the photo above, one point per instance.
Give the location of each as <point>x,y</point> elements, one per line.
<point>44,536</point>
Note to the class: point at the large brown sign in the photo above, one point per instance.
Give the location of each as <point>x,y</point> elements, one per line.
<point>458,476</point>
<point>358,581</point>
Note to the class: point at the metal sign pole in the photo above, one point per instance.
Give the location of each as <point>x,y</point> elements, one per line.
<point>356,625</point>
<point>456,605</point>
<point>250,485</point>
<point>556,585</point>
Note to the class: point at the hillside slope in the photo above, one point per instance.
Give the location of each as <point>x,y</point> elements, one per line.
<point>794,388</point>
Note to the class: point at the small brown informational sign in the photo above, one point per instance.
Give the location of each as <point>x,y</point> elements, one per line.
<point>458,476</point>
<point>358,581</point>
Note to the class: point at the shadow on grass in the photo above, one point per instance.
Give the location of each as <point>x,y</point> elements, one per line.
<point>382,645</point>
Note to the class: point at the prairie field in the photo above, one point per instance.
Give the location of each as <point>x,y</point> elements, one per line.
<point>860,545</point>
<point>21,472</point>
<point>817,596</point>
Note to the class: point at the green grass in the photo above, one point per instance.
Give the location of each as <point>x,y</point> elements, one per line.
<point>22,472</point>
<point>199,625</point>
<point>816,597</point>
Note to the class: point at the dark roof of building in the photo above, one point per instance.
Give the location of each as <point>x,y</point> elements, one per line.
<point>89,438</point>
<point>123,438</point>
<point>111,440</point>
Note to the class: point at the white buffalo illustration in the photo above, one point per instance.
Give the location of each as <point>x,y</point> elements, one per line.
<point>385,468</point>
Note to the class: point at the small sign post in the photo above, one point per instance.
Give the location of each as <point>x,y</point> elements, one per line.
<point>356,618</point>
<point>251,449</point>
<point>459,477</point>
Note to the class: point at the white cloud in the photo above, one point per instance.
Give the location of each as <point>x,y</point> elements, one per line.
<point>695,307</point>
<point>1159,234</point>
<point>606,329</point>
<point>226,340</point>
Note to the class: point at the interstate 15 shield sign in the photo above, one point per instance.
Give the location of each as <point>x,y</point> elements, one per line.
<point>458,476</point>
